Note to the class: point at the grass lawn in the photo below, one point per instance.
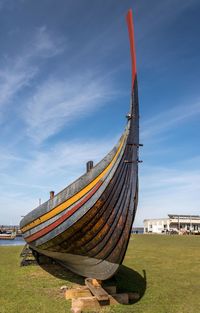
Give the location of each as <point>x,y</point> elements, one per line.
<point>164,269</point>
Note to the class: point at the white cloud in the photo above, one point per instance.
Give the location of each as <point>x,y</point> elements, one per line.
<point>165,190</point>
<point>57,103</point>
<point>172,188</point>
<point>69,157</point>
<point>45,45</point>
<point>15,74</point>
<point>53,169</point>
<point>164,121</point>
<point>12,80</point>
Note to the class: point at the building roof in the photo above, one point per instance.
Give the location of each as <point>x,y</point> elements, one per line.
<point>156,219</point>
<point>183,216</point>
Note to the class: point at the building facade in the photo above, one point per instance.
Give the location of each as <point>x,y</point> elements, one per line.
<point>174,223</point>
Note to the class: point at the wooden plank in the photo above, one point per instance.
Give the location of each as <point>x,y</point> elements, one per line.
<point>86,303</point>
<point>75,310</point>
<point>92,227</point>
<point>96,289</point>
<point>91,303</point>
<point>96,282</point>
<point>108,242</point>
<point>77,293</point>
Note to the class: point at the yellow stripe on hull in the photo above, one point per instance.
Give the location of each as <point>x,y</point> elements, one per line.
<point>74,198</point>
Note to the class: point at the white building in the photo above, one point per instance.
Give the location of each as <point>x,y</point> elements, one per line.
<point>174,222</point>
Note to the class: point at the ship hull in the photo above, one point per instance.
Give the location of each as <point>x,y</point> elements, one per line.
<point>82,265</point>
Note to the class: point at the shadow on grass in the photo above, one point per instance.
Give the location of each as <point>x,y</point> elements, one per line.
<point>63,273</point>
<point>126,279</point>
<point>129,280</point>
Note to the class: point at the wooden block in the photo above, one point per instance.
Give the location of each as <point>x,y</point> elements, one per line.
<point>97,290</point>
<point>110,289</point>
<point>76,310</point>
<point>133,296</point>
<point>96,282</point>
<point>77,293</point>
<point>86,303</point>
<point>117,298</point>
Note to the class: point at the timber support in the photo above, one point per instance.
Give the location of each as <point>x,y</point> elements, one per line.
<point>32,257</point>
<point>28,257</point>
<point>94,295</point>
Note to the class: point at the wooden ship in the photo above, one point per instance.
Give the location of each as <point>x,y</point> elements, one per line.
<point>87,226</point>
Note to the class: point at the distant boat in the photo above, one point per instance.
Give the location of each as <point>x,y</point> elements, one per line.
<point>7,235</point>
<point>87,225</point>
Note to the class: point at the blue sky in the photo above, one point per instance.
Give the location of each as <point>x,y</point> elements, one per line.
<point>65,90</point>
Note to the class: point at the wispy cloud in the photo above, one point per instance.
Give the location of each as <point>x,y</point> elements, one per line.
<point>53,102</point>
<point>165,190</point>
<point>169,119</point>
<point>69,157</point>
<point>57,103</point>
<point>44,44</point>
<point>166,178</point>
<point>12,79</point>
<point>16,74</point>
<point>54,169</point>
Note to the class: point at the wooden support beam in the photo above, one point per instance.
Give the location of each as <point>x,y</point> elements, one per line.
<point>86,303</point>
<point>92,304</point>
<point>93,296</point>
<point>96,289</point>
<point>75,293</point>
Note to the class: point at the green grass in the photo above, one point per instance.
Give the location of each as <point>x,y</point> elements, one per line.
<point>172,285</point>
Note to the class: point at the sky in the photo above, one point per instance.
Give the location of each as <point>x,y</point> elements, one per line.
<point>65,90</point>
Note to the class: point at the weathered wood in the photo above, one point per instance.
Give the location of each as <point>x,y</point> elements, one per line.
<point>93,228</point>
<point>91,303</point>
<point>96,282</point>
<point>76,310</point>
<point>89,166</point>
<point>84,291</point>
<point>25,250</point>
<point>27,256</point>
<point>86,303</point>
<point>96,289</point>
<point>92,296</point>
<point>75,293</point>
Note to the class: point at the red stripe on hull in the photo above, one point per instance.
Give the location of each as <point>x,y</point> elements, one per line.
<point>60,220</point>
